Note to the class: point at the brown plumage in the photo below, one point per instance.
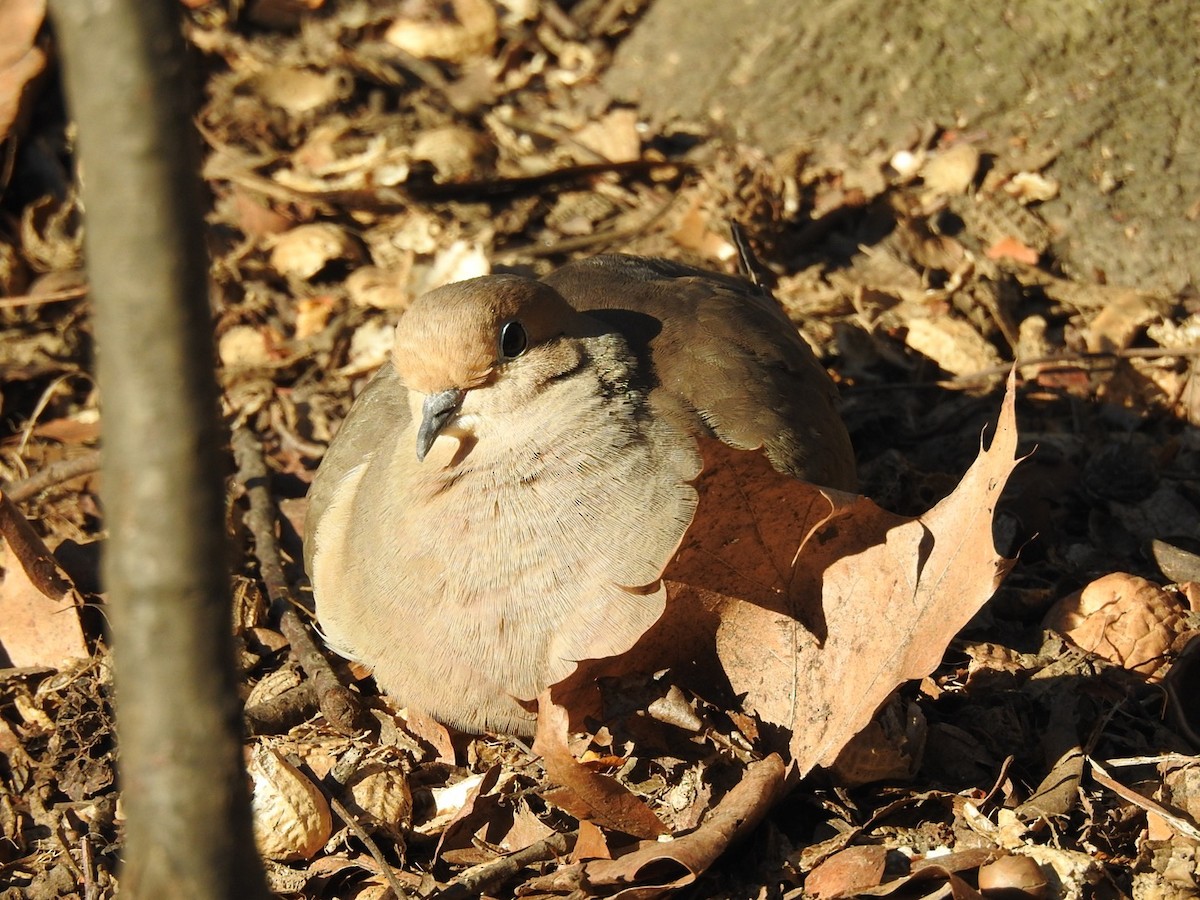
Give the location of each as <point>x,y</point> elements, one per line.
<point>503,497</point>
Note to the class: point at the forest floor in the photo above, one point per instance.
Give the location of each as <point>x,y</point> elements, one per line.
<point>356,157</point>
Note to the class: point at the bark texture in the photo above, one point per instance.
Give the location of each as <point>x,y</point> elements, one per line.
<point>187,829</point>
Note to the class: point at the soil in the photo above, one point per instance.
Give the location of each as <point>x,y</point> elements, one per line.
<point>1109,90</point>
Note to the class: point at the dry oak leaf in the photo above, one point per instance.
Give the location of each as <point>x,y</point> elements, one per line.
<point>582,792</point>
<point>1125,619</point>
<point>848,871</point>
<point>39,606</point>
<point>292,820</point>
<point>473,35</point>
<point>1011,248</point>
<point>809,606</point>
<point>652,868</point>
<point>22,60</point>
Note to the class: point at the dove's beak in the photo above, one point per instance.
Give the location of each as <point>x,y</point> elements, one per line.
<point>436,413</point>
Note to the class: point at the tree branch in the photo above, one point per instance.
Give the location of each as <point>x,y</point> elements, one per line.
<point>187,830</point>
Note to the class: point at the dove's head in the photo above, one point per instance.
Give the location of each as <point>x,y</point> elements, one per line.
<point>480,347</point>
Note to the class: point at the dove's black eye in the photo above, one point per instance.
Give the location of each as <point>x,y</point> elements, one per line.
<point>513,340</point>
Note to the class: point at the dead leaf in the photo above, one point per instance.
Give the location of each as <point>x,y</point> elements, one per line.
<point>953,344</point>
<point>450,801</point>
<point>584,793</point>
<point>847,872</point>
<point>304,251</point>
<point>379,793</point>
<point>456,153</point>
<point>369,348</point>
<point>614,138</point>
<point>527,829</point>
<point>1167,816</point>
<point>481,809</point>
<point>951,171</point>
<point>380,288</point>
<point>253,215</point>
<point>474,34</point>
<point>868,601</point>
<point>22,61</point>
<point>693,233</point>
<point>312,315</point>
<point>890,748</point>
<point>1031,187</point>
<point>1124,314</point>
<point>655,867</point>
<point>1124,618</point>
<point>1181,786</point>
<point>1058,793</point>
<point>591,844</point>
<point>244,346</point>
<point>457,262</point>
<point>1011,248</point>
<point>302,91</point>
<point>937,869</point>
<point>425,728</point>
<point>39,605</point>
<point>291,816</point>
<point>811,606</point>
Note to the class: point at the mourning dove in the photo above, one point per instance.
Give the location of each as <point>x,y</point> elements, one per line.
<point>503,497</point>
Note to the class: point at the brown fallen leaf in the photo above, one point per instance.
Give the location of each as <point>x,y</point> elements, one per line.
<point>655,867</point>
<point>582,792</point>
<point>892,607</point>
<point>936,870</point>
<point>847,872</point>
<point>292,820</point>
<point>1125,313</point>
<point>890,748</point>
<point>951,343</point>
<point>1011,248</point>
<point>22,60</point>
<point>481,809</point>
<point>614,137</point>
<point>951,171</point>
<point>1125,619</point>
<point>810,606</point>
<point>426,728</point>
<point>591,844</point>
<point>39,606</point>
<point>474,33</point>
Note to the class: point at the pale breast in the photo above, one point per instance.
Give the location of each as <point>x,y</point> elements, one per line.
<point>475,585</point>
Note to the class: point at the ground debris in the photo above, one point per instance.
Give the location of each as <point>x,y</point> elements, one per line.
<point>366,153</point>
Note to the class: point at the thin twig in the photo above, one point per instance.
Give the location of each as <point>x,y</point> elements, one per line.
<point>1001,777</point>
<point>91,890</point>
<point>486,876</point>
<point>1070,358</point>
<point>338,703</point>
<point>253,475</point>
<point>281,713</point>
<point>604,239</point>
<point>403,196</point>
<point>372,848</point>
<point>55,473</point>
<point>40,407</point>
<point>1179,822</point>
<point>1063,361</point>
<point>59,296</point>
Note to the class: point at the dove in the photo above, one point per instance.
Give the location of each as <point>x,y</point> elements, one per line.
<point>504,495</point>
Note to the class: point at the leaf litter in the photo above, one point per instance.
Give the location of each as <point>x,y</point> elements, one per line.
<point>851,638</point>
